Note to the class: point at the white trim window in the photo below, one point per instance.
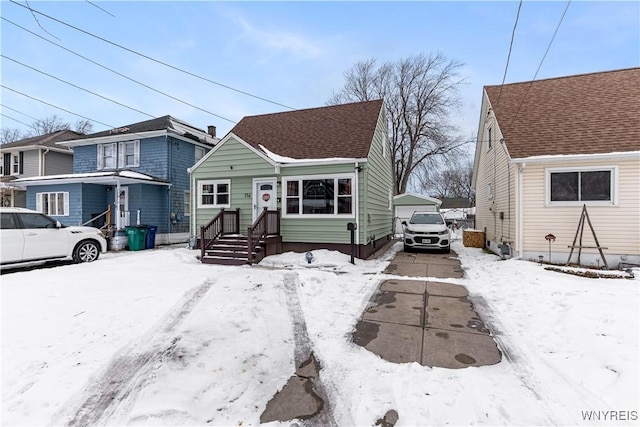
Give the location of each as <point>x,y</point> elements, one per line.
<point>214,193</point>
<point>187,203</point>
<point>319,196</point>
<point>107,156</point>
<point>54,204</point>
<point>129,154</point>
<point>578,186</point>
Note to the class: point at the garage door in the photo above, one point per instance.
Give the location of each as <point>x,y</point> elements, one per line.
<point>403,213</point>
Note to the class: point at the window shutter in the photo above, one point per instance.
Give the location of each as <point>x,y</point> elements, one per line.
<point>99,162</point>
<point>21,171</point>
<point>39,202</point>
<point>136,151</point>
<point>121,154</point>
<point>66,203</point>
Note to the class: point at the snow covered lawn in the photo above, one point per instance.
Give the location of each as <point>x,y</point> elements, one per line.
<point>156,338</point>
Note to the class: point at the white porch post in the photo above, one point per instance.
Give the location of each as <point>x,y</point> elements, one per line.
<point>118,212</point>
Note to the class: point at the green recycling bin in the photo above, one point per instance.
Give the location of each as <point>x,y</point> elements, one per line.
<point>136,237</point>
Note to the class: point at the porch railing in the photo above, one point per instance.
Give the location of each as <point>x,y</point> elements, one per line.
<point>226,222</point>
<point>267,223</point>
<point>107,224</point>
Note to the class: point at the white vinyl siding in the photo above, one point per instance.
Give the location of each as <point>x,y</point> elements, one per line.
<point>616,225</point>
<point>55,204</point>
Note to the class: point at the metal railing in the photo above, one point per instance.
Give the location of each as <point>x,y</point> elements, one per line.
<point>226,222</point>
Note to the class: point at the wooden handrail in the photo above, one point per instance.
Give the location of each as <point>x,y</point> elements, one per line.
<point>107,224</point>
<point>267,223</point>
<point>217,227</point>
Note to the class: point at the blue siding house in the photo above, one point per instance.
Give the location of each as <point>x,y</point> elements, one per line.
<point>137,172</point>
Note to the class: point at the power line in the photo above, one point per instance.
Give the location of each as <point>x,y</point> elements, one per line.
<point>513,34</point>
<point>539,66</point>
<point>19,112</point>
<point>95,5</point>
<point>153,59</point>
<point>55,106</point>
<point>38,22</point>
<point>118,73</point>
<point>15,120</point>
<point>77,87</point>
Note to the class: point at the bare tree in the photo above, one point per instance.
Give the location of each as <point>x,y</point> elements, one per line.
<point>10,135</point>
<point>44,126</point>
<point>83,126</point>
<point>48,125</point>
<point>452,180</point>
<point>420,92</point>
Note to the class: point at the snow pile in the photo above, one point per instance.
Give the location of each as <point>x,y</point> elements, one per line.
<point>175,342</point>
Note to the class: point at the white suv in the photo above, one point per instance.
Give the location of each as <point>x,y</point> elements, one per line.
<point>427,230</point>
<point>28,236</point>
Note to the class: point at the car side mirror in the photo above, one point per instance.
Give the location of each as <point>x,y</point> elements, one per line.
<point>59,224</point>
<point>404,223</point>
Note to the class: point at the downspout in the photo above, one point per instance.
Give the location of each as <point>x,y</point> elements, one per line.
<point>118,213</point>
<point>194,209</point>
<point>521,211</point>
<point>357,204</point>
<point>43,162</point>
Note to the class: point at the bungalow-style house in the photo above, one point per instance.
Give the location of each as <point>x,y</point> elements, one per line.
<point>548,148</point>
<point>132,175</point>
<point>296,181</point>
<point>33,157</point>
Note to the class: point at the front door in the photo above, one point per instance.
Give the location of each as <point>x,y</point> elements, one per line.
<point>123,213</point>
<point>264,195</point>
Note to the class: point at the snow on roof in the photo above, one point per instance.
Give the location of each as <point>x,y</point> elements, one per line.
<point>283,159</point>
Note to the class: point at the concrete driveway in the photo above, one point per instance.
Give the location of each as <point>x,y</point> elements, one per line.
<point>420,319</point>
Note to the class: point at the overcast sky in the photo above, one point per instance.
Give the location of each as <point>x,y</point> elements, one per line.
<point>288,53</point>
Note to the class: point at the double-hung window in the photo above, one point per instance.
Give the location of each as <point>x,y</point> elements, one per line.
<point>581,185</point>
<point>129,154</point>
<point>56,204</point>
<point>322,195</point>
<point>214,193</point>
<point>107,156</point>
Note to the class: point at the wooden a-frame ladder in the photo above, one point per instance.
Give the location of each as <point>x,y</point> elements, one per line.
<point>579,232</point>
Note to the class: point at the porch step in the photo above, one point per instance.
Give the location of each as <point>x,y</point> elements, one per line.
<point>224,261</point>
<point>229,250</point>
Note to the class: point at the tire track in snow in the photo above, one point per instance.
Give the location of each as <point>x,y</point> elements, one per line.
<point>549,395</point>
<point>304,349</point>
<point>114,389</point>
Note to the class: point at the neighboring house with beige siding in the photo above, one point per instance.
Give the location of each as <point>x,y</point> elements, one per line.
<point>311,172</point>
<point>547,148</point>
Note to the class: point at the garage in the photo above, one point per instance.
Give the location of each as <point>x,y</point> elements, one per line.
<point>406,204</point>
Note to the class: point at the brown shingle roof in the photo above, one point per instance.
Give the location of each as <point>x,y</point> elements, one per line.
<point>317,133</point>
<point>584,114</point>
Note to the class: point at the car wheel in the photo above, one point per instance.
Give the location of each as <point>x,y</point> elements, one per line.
<point>407,248</point>
<point>86,251</point>
<point>448,250</point>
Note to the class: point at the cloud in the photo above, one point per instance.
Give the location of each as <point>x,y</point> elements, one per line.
<point>276,41</point>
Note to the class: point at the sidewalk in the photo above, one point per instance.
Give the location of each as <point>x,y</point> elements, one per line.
<point>425,321</point>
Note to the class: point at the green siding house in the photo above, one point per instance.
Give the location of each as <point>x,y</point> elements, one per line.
<point>294,181</point>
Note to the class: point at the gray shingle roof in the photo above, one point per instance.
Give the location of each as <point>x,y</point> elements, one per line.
<point>47,140</point>
<point>337,131</point>
<point>584,114</point>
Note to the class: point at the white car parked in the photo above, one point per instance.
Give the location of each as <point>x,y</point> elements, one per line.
<point>427,230</point>
<point>28,236</point>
